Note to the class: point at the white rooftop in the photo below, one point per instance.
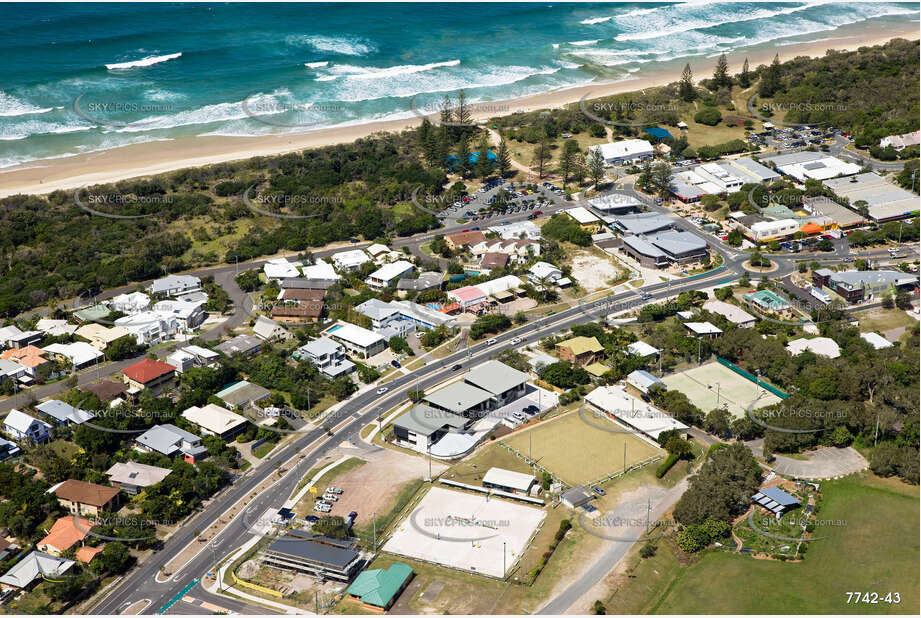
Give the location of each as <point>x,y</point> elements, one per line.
<point>614,400</point>
<point>320,270</point>
<point>732,313</point>
<point>876,340</point>
<point>703,328</point>
<point>355,335</point>
<point>214,418</point>
<point>820,346</point>
<point>641,348</point>
<point>581,214</point>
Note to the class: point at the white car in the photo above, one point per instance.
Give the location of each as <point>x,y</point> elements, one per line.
<point>331,497</point>
<point>333,490</point>
<point>382,390</point>
<point>419,334</point>
<point>516,340</point>
<point>490,341</point>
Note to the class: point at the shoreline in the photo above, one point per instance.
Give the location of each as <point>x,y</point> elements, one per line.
<point>150,158</point>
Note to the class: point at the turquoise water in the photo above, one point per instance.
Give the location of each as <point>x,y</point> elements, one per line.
<point>334,328</point>
<point>88,77</point>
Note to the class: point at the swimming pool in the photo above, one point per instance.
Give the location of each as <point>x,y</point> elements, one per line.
<point>333,329</point>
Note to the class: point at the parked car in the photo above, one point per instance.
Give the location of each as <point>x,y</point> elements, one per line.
<point>395,363</point>
<point>531,409</point>
<point>598,490</point>
<point>333,490</point>
<point>331,497</point>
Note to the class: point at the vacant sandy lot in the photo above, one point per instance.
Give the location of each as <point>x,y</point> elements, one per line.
<point>593,272</point>
<point>372,487</point>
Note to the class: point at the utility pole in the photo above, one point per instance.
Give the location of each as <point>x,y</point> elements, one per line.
<point>717,394</point>
<point>374,530</point>
<point>876,432</point>
<point>625,456</point>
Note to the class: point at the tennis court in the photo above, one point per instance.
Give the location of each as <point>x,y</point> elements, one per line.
<point>713,385</point>
<point>579,451</point>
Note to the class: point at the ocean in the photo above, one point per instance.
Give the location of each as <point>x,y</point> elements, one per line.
<point>88,77</point>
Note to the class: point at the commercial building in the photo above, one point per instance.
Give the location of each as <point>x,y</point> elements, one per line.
<point>580,350</point>
<point>584,218</point>
<point>759,230</point>
<point>387,275</point>
<point>574,497</point>
<point>624,151</point>
<point>806,165</point>
<point>517,230</point>
<point>635,413</point>
<point>169,440</point>
<point>131,477</point>
<point>856,286</point>
<point>727,178</point>
<point>461,398</point>
<point>357,340</point>
<point>422,426</point>
<point>327,355</point>
<point>735,315</point>
<point>81,498</point>
<point>884,200</point>
<point>315,555</point>
<point>508,480</point>
<point>666,248</point>
<point>640,223</point>
<point>216,421</point>
<point>616,204</point>
<point>504,383</point>
<point>643,381</point>
<point>753,171</point>
<point>822,206</point>
<point>377,589</point>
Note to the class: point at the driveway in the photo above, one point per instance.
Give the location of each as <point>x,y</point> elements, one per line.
<point>823,463</point>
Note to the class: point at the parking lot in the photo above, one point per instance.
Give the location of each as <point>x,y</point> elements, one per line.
<point>520,200</point>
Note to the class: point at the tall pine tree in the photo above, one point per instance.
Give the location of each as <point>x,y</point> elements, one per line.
<point>721,73</point>
<point>686,85</point>
<point>503,159</point>
<point>745,77</point>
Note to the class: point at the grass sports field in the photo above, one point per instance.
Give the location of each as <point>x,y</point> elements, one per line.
<point>579,452</point>
<point>734,392</point>
<point>873,548</point>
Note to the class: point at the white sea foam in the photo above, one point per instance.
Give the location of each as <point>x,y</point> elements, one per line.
<point>596,20</point>
<point>356,72</point>
<point>143,62</point>
<point>11,106</point>
<point>316,65</point>
<point>345,45</point>
<point>583,43</point>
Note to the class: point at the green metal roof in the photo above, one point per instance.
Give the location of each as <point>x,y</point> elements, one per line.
<point>378,586</point>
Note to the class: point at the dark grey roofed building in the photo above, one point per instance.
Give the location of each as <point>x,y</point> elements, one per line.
<point>640,223</point>
<point>644,252</point>
<point>244,345</point>
<point>426,281</point>
<point>505,383</point>
<point>575,497</point>
<point>424,425</point>
<point>680,247</point>
<point>301,283</point>
<point>776,500</point>
<point>461,398</point>
<point>315,555</point>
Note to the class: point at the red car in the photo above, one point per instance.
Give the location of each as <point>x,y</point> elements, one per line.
<point>538,212</point>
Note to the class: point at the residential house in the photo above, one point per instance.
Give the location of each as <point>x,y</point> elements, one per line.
<point>106,390</point>
<point>12,337</point>
<point>464,239</point>
<point>191,356</point>
<point>29,357</point>
<point>55,328</point>
<point>543,272</point>
<point>169,440</point>
<point>517,230</point>
<point>493,261</point>
<point>243,394</point>
<point>66,532</point>
<point>280,268</point>
<point>321,269</point>
<point>245,346</point>
<point>327,355</point>
<point>150,327</point>
<point>12,370</point>
<point>303,312</point>
<point>901,141</point>
<point>188,313</point>
<point>100,336</point>
<point>134,302</point>
<point>270,330</point>
<point>216,421</point>
<point>820,346</point>
<point>642,349</point>
<point>580,350</point>
<point>644,381</point>
<point>149,374</point>
<point>7,449</point>
<point>79,354</point>
<point>62,413</point>
<point>81,498</point>
<point>387,275</point>
<point>357,340</point>
<point>350,261</point>
<point>768,302</point>
<point>735,315</point>
<point>20,426</point>
<point>174,285</point>
<point>132,477</point>
<point>703,329</point>
<point>36,565</point>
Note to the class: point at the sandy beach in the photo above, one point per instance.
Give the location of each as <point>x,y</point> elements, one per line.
<point>45,176</point>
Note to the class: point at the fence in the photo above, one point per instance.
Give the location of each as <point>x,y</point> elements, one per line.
<point>258,588</point>
<point>755,379</point>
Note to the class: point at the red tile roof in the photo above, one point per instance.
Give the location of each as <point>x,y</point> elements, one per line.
<point>147,370</point>
<point>66,532</point>
<point>86,554</point>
